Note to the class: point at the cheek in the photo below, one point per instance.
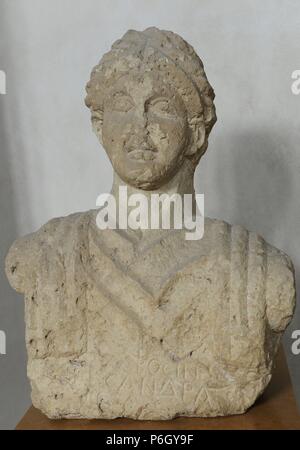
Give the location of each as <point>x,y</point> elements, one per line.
<point>113,130</point>
<point>171,135</point>
<point>179,133</point>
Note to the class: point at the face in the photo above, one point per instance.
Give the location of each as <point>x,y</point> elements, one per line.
<point>145,130</point>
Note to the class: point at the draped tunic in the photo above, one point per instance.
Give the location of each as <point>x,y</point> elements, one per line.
<point>116,323</point>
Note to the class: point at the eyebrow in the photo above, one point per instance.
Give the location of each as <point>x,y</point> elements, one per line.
<point>158,97</point>
<point>111,94</point>
<point>118,92</point>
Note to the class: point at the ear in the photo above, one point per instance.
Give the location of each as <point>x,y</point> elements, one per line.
<point>97,122</point>
<point>198,135</point>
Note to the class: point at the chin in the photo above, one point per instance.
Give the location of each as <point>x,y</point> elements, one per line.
<point>144,174</point>
<point>147,183</point>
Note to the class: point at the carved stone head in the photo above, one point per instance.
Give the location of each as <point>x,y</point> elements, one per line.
<point>152,106</point>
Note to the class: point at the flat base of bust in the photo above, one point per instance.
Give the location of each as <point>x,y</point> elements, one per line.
<point>276,409</point>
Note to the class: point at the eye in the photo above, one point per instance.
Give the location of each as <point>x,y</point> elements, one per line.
<point>162,107</point>
<point>121,103</point>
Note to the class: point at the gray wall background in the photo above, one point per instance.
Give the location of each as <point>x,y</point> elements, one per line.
<point>51,163</point>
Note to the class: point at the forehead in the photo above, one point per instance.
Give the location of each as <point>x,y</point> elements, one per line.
<point>142,85</point>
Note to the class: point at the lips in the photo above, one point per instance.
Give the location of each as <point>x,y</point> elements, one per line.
<point>141,153</point>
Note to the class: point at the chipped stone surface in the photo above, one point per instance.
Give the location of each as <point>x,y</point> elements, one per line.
<point>145,324</point>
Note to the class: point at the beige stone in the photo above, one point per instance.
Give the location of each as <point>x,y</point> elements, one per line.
<point>146,324</point>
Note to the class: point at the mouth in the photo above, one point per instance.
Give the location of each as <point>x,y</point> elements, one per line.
<point>141,154</point>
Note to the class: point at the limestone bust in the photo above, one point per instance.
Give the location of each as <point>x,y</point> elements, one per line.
<point>145,324</point>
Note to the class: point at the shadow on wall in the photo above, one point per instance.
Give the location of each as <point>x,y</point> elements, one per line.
<point>257,192</point>
<point>14,389</point>
<point>260,193</point>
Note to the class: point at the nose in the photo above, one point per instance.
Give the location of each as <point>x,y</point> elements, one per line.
<point>139,127</point>
<point>141,119</point>
<point>139,133</point>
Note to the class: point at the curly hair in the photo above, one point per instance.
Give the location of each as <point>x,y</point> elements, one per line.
<point>169,55</point>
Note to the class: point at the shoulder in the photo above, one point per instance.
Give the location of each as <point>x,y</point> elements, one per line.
<point>55,237</point>
<point>259,265</point>
<point>280,288</point>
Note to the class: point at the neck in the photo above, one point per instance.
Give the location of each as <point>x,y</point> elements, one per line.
<point>182,183</point>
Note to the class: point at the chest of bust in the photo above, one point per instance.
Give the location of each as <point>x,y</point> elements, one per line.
<point>172,322</point>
